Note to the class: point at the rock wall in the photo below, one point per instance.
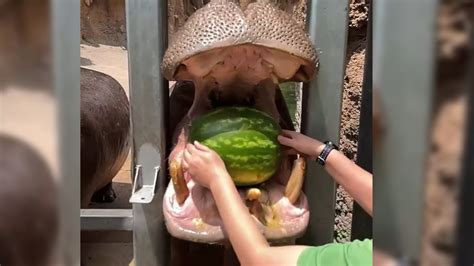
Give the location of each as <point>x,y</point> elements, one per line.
<point>455,22</point>
<point>103,22</point>
<point>351,102</point>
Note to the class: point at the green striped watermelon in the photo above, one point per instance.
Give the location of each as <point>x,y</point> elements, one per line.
<point>246,140</point>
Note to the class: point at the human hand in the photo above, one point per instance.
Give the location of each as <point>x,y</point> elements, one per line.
<point>299,143</point>
<point>203,164</point>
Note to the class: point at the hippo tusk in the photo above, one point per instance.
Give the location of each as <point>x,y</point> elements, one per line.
<point>254,194</point>
<point>256,209</point>
<point>257,202</point>
<point>179,184</point>
<point>295,183</point>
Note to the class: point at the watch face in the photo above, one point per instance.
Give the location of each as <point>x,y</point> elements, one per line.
<point>330,143</point>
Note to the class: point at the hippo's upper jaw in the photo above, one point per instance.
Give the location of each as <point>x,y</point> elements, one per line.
<point>280,45</point>
<point>234,56</point>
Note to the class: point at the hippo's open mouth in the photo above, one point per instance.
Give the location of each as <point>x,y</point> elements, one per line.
<point>234,56</point>
<point>279,207</point>
<point>197,219</point>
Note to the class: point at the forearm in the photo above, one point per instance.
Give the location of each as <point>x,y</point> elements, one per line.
<point>243,233</point>
<point>355,180</point>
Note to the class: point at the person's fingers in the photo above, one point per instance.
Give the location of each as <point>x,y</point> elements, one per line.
<point>187,147</point>
<point>201,147</point>
<point>184,164</point>
<point>285,141</point>
<point>187,157</point>
<point>287,133</point>
<point>191,149</point>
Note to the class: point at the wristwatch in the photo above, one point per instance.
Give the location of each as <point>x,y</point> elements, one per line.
<point>329,146</point>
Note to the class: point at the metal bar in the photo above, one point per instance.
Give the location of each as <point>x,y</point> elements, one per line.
<point>106,220</point>
<point>147,37</point>
<point>404,38</point>
<point>66,62</point>
<point>465,229</point>
<point>322,111</point>
<point>362,221</point>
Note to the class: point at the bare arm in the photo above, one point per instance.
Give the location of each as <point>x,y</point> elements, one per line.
<point>243,230</point>
<point>248,242</point>
<point>355,180</point>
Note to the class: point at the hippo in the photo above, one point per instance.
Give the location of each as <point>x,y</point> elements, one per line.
<point>105,135</point>
<point>228,55</point>
<point>29,211</point>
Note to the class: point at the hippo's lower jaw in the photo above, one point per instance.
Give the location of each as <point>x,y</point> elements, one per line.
<point>197,218</point>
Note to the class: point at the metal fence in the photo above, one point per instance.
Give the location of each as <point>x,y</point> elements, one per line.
<point>147,41</point>
<point>464,254</point>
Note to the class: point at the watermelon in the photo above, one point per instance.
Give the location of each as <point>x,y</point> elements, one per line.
<point>246,140</point>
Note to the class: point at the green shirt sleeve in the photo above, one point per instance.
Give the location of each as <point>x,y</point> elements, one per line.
<point>356,253</point>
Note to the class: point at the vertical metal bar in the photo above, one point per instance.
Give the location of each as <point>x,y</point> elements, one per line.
<point>403,72</point>
<point>322,110</point>
<point>465,230</point>
<point>147,41</point>
<point>361,221</point>
<point>65,39</point>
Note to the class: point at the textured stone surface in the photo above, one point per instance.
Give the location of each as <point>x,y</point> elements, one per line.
<point>447,133</point>
<point>103,22</point>
<point>353,80</point>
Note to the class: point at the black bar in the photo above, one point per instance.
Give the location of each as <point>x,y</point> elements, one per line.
<point>465,229</point>
<point>361,221</point>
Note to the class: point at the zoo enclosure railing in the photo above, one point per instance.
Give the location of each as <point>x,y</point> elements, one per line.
<point>147,40</point>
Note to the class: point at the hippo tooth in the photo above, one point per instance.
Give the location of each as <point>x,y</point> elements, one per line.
<point>295,183</point>
<point>256,209</point>
<point>180,186</point>
<point>254,194</point>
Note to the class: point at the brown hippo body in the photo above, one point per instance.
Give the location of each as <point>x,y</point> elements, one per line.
<point>105,135</point>
<point>28,205</point>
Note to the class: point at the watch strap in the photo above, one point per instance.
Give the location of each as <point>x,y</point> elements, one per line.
<point>328,147</point>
